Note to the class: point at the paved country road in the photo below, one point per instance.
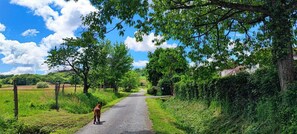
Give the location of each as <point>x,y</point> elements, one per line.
<point>130,116</point>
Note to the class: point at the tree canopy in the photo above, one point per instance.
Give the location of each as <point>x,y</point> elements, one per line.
<point>79,54</point>
<point>120,62</point>
<point>207,27</point>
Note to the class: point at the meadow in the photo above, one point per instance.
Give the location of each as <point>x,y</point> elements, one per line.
<point>37,113</point>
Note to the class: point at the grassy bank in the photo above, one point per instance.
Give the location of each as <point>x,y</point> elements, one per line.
<point>37,113</point>
<point>200,117</point>
<point>177,116</point>
<point>163,121</point>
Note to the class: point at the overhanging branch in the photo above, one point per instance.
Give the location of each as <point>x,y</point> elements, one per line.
<point>237,6</point>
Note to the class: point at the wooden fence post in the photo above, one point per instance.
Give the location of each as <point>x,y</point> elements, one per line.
<point>63,89</point>
<point>16,105</point>
<point>75,88</point>
<point>56,95</point>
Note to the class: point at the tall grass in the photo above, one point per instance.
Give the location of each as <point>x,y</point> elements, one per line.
<point>269,115</point>
<point>163,121</point>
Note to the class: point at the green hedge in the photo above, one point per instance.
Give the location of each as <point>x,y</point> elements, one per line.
<point>236,91</point>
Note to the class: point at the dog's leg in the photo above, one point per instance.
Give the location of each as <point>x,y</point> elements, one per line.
<point>94,119</point>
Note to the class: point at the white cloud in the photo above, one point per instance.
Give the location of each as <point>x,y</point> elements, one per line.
<point>25,54</point>
<point>147,44</point>
<point>63,18</point>
<point>141,63</point>
<point>64,21</point>
<point>2,27</point>
<point>20,70</point>
<point>30,32</point>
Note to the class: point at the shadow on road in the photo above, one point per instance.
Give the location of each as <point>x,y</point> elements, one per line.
<point>101,123</point>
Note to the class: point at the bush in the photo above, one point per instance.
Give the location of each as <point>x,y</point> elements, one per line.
<point>42,85</point>
<point>165,86</point>
<point>153,90</point>
<point>266,82</point>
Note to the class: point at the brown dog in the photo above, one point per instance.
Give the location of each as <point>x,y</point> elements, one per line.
<point>97,113</point>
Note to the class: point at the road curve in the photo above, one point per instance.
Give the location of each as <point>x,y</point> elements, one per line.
<point>130,116</point>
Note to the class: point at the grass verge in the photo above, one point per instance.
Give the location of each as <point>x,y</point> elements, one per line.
<point>163,121</point>
<point>196,117</point>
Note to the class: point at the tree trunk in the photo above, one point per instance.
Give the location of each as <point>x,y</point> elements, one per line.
<point>63,89</point>
<point>104,84</point>
<point>115,88</point>
<point>75,88</point>
<point>86,86</point>
<point>285,70</point>
<point>172,88</point>
<point>282,41</point>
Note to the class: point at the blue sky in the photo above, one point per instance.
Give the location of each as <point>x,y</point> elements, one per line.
<point>30,28</point>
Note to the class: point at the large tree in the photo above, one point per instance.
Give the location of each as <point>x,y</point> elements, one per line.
<point>100,66</point>
<point>165,63</point>
<point>206,26</point>
<point>79,54</point>
<point>153,73</point>
<point>119,63</point>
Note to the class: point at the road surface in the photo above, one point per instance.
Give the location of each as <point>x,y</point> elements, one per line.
<point>130,116</point>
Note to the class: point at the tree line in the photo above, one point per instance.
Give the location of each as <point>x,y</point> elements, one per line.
<point>33,79</point>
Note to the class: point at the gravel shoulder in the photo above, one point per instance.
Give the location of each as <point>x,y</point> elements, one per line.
<point>130,116</point>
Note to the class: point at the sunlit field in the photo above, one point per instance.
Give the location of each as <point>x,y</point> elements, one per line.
<point>37,107</point>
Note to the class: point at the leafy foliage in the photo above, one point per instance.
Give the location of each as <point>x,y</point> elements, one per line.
<point>42,85</point>
<point>210,28</point>
<point>120,62</point>
<point>236,91</point>
<point>164,85</point>
<point>130,81</point>
<point>75,53</point>
<point>26,79</point>
<point>153,90</point>
<point>163,65</point>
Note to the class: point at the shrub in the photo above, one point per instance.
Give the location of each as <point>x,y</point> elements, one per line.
<point>42,85</point>
<point>185,88</point>
<point>266,82</point>
<point>165,86</point>
<point>153,90</point>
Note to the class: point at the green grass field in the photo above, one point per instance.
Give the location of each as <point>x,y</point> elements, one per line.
<point>37,113</point>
